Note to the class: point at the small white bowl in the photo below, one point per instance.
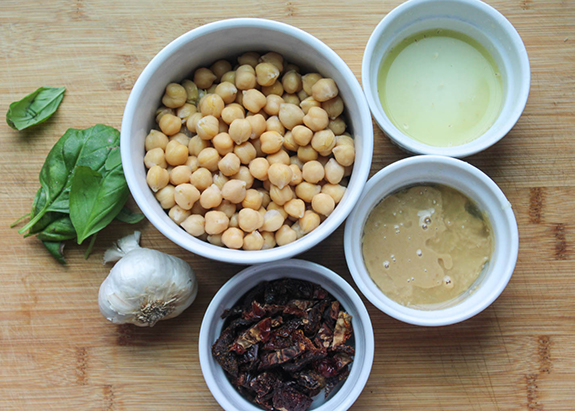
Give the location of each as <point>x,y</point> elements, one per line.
<point>479,21</point>
<point>223,391</point>
<point>471,182</point>
<point>225,39</point>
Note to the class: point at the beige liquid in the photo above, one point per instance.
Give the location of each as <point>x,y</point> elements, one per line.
<point>426,245</point>
<point>440,87</point>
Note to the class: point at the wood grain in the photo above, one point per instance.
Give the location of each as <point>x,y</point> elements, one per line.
<point>57,352</point>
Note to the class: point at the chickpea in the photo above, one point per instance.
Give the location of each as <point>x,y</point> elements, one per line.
<point>291,115</point>
<point>244,175</point>
<point>223,126</point>
<point>274,124</point>
<point>281,157</point>
<point>176,153</point>
<point>280,175</point>
<point>178,214</point>
<point>228,209</point>
<point>278,208</point>
<point>334,107</point>
<point>253,100</point>
<point>212,105</point>
<point>192,163</point>
<point>256,142</point>
<point>220,67</point>
<point>156,139</point>
<point>211,197</point>
<point>271,142</point>
<point>216,222</point>
<point>162,111</point>
<point>273,58</point>
<point>337,125</point>
<point>233,111</point>
<point>249,220</point>
<point>201,178</point>
<point>192,122</point>
<point>253,241</point>
<point>298,230</point>
<point>285,235</point>
<point>192,93</point>
<point>229,77</point>
<point>269,241</point>
<point>259,168</point>
<point>155,157</point>
<point>265,197</point>
<point>296,175</point>
<point>308,80</point>
<point>291,82</point>
<point>306,153</point>
<point>273,103</point>
<point>204,78</point>
<point>186,111</point>
<point>324,90</point>
<point>344,154</point>
<point>198,209</point>
<point>239,99</point>
<point>266,74</point>
<point>209,158</point>
<point>234,220</point>
<point>306,191</point>
<point>333,171</point>
<point>313,172</point>
<point>223,143</point>
<point>295,208</point>
<point>186,195</point>
<point>276,88</point>
<point>280,196</point>
<point>345,139</point>
<point>227,91</point>
<point>216,240</point>
<point>273,220</point>
<point>316,119</point>
<point>309,222</point>
<point>245,77</point>
<point>246,152</point>
<point>234,191</point>
<point>289,143</point>
<point>291,99</point>
<point>302,95</point>
<point>229,165</point>
<point>194,225</point>
<point>250,58</point>
<point>166,197</point>
<point>309,103</point>
<point>180,138</point>
<point>258,124</point>
<point>295,160</point>
<point>207,127</point>
<point>253,199</point>
<point>233,238</point>
<point>323,142</point>
<point>196,145</point>
<point>302,135</point>
<point>180,175</point>
<point>175,96</point>
<point>170,124</point>
<point>323,204</point>
<point>219,180</point>
<point>240,130</point>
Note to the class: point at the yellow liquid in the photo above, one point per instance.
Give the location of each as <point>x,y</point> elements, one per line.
<point>440,87</point>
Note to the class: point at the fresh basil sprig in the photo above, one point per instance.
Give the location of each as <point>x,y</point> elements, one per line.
<point>83,189</point>
<point>35,108</point>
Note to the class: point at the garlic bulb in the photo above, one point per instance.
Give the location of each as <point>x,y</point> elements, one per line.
<point>145,285</point>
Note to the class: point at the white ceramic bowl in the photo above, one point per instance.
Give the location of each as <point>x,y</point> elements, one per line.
<point>230,38</point>
<point>471,182</point>
<point>225,394</point>
<point>479,21</point>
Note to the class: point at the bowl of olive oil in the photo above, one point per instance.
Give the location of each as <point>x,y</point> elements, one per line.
<point>447,77</point>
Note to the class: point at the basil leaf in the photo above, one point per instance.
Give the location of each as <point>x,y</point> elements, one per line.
<point>96,199</point>
<point>127,216</point>
<point>89,147</point>
<point>59,230</point>
<point>35,108</point>
<point>56,248</point>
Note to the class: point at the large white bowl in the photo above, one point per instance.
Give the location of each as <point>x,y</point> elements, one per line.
<point>225,394</point>
<point>479,21</point>
<point>224,39</point>
<point>471,182</point>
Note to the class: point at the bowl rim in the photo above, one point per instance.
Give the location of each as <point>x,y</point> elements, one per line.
<point>478,144</point>
<point>448,315</point>
<point>361,167</point>
<point>251,272</point>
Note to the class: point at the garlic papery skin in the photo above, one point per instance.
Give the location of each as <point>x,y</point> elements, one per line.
<point>145,286</point>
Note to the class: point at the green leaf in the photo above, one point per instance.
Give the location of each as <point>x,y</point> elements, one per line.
<point>127,216</point>
<point>59,230</point>
<point>96,199</point>
<point>90,246</point>
<point>35,108</point>
<point>90,147</point>
<point>56,248</point>
<point>114,159</point>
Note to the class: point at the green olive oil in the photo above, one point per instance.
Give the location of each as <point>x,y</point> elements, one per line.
<point>440,87</point>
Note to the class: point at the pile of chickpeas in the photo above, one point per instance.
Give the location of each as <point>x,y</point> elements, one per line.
<point>250,157</point>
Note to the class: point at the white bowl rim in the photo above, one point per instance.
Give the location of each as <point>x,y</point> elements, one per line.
<point>411,315</point>
<point>460,151</point>
<point>204,345</point>
<point>361,168</point>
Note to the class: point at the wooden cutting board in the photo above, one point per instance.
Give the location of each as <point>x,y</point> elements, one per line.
<point>57,352</point>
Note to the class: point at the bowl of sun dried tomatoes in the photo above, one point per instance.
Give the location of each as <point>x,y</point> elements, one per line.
<point>290,335</point>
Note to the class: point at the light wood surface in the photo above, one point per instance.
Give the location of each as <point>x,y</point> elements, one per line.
<point>57,352</point>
